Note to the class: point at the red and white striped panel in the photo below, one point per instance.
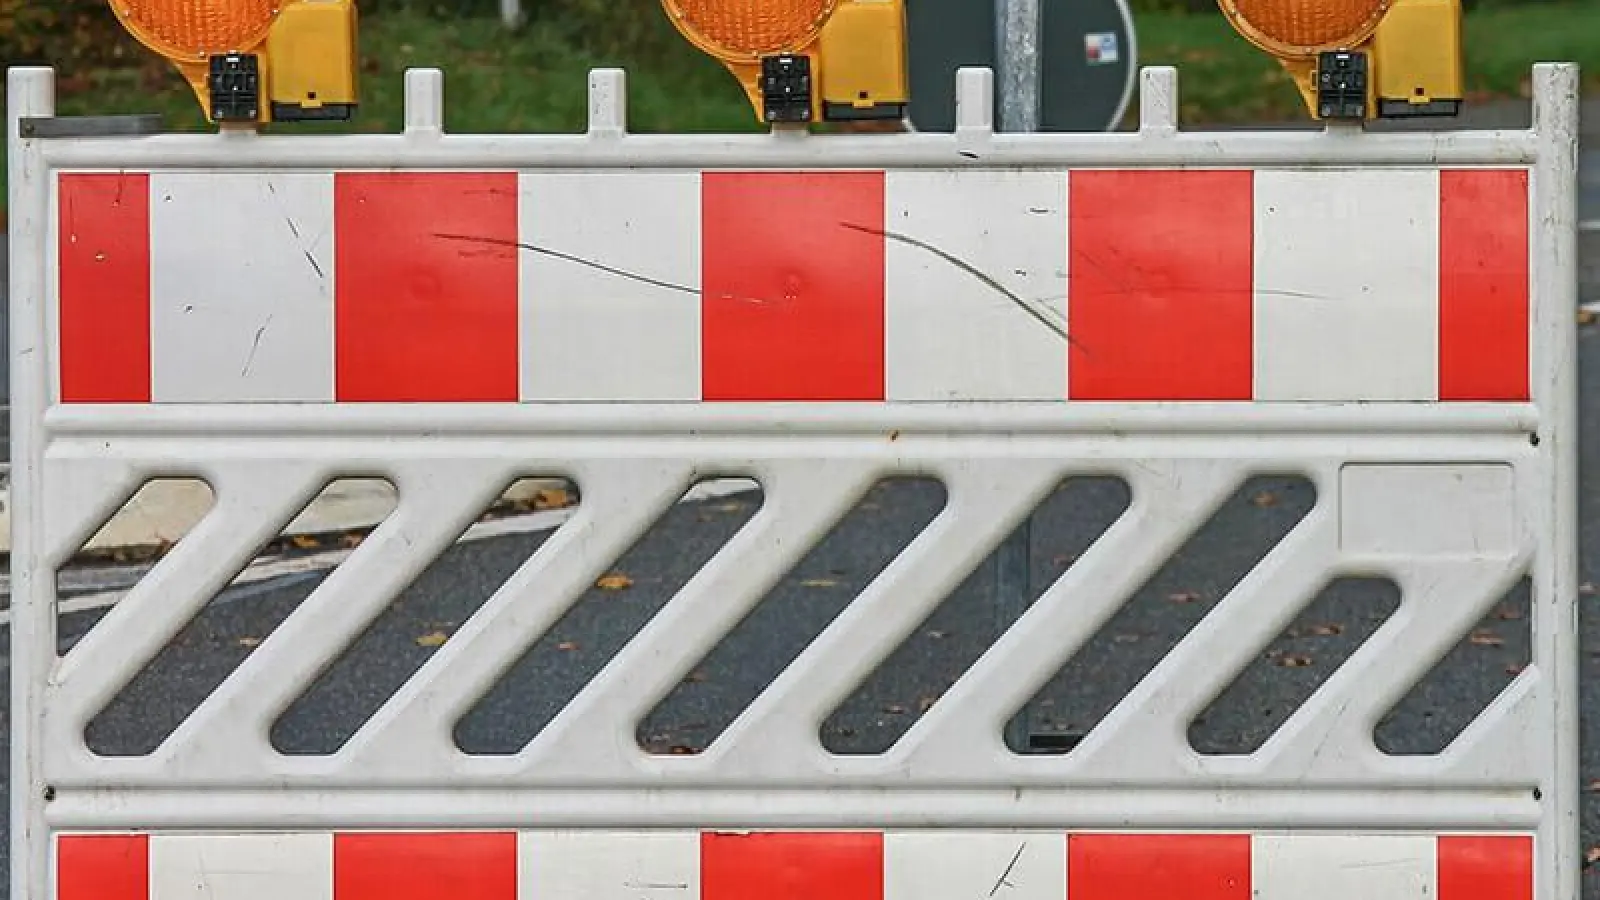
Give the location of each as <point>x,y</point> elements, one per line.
<point>794,866</point>
<point>683,286</point>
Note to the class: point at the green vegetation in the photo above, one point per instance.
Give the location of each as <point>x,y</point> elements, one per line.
<point>534,79</point>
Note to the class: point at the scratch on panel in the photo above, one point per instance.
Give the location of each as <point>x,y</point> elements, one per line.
<point>1004,881</point>
<point>254,346</point>
<point>656,885</point>
<point>972,270</point>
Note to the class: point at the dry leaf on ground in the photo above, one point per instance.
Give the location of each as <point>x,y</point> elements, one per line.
<point>819,583</point>
<point>1184,597</point>
<point>1294,662</point>
<point>1486,639</point>
<point>1328,630</point>
<point>1265,498</point>
<point>567,645</point>
<point>616,581</point>
<point>432,639</point>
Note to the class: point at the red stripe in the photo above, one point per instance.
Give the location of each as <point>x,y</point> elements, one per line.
<point>1160,274</point>
<point>1158,866</point>
<point>461,866</point>
<point>105,288</point>
<point>427,275</point>
<point>798,866</point>
<point>1483,285</point>
<point>1486,868</point>
<point>103,867</point>
<point>793,285</point>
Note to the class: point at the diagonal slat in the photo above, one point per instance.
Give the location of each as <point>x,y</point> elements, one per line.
<point>250,510</point>
<point>438,501</point>
<point>1170,501</point>
<point>1444,599</point>
<point>1137,737</point>
<point>411,734</point>
<point>776,737</point>
<point>593,737</point>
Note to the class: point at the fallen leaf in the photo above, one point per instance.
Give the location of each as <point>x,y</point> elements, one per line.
<point>351,540</point>
<point>1593,786</point>
<point>1586,316</point>
<point>304,541</point>
<point>1591,857</point>
<point>819,583</point>
<point>926,703</point>
<point>567,645</point>
<point>432,639</point>
<point>894,709</point>
<point>615,582</point>
<point>1184,597</point>
<point>894,435</point>
<point>1486,639</point>
<point>1294,662</point>
<point>1507,614</point>
<point>695,677</point>
<point>682,750</point>
<point>552,498</point>
<point>1515,669</point>
<point>730,507</point>
<point>1327,630</point>
<point>249,641</point>
<point>1264,499</point>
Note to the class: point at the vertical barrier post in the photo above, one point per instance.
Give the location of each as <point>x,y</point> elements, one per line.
<point>30,93</point>
<point>1555,329</point>
<point>1017,55</point>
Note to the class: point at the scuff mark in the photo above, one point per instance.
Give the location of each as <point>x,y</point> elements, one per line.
<point>254,346</point>
<point>293,228</point>
<point>317,268</point>
<point>612,270</point>
<point>1004,876</point>
<point>975,272</point>
<point>656,885</point>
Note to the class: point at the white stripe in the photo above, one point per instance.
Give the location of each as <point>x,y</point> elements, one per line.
<point>949,335</point>
<point>1343,867</point>
<point>1347,285</point>
<point>591,334</point>
<point>241,867</point>
<point>1020,866</point>
<point>241,284</point>
<point>608,865</point>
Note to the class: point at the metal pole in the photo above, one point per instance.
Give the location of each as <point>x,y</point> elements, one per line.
<point>1017,35</point>
<point>1017,50</point>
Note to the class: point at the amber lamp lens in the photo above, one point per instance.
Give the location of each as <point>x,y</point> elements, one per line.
<point>196,28</point>
<point>1301,26</point>
<point>751,27</point>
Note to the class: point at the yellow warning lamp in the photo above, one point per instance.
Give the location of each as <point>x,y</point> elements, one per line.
<point>806,60</point>
<point>255,60</point>
<point>1361,59</point>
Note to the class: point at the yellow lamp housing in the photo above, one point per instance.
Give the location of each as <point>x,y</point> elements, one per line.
<point>802,61</point>
<point>255,61</point>
<point>1361,59</point>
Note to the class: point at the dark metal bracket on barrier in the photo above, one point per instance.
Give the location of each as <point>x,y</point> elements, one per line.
<point>140,125</point>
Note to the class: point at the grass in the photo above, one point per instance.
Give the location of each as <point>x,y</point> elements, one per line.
<point>534,80</point>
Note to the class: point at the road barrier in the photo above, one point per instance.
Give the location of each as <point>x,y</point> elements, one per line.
<point>1388,315</point>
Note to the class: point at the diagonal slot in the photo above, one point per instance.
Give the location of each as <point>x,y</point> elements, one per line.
<point>971,618</point>
<point>224,633</point>
<point>1281,679</point>
<point>1214,559</point>
<point>854,551</point>
<point>1461,687</point>
<point>569,654</point>
<point>423,616</point>
<point>142,532</point>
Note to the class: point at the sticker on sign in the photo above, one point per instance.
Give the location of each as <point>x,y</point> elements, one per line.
<point>1101,48</point>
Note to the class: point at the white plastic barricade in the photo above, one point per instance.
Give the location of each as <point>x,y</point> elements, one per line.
<point>1389,314</point>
